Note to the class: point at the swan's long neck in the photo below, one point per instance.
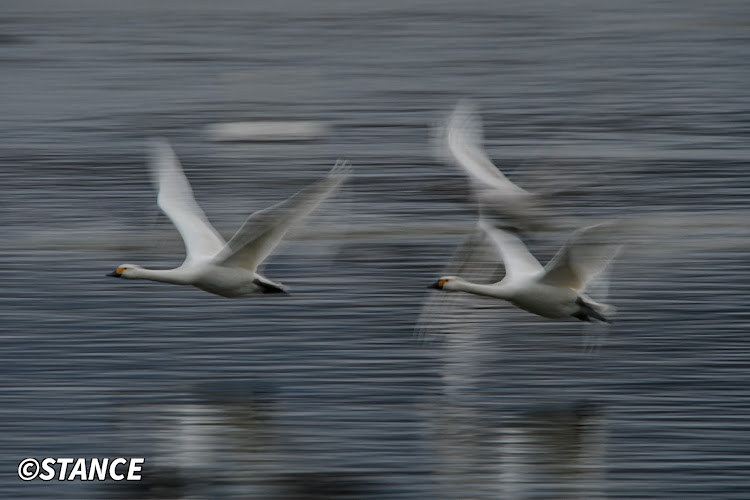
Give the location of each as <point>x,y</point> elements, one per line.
<point>499,291</point>
<point>174,276</point>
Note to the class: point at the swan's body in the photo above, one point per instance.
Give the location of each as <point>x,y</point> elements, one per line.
<point>555,291</point>
<point>217,279</point>
<point>224,268</point>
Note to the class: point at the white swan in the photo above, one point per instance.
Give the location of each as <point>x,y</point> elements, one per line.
<point>224,268</point>
<point>554,291</point>
<point>498,198</point>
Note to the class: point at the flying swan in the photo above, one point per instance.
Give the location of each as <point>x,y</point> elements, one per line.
<point>555,291</point>
<point>498,198</point>
<point>224,268</point>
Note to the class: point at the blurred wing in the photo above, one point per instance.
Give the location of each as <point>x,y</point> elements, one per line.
<point>176,200</point>
<point>464,138</point>
<point>263,230</point>
<point>586,255</point>
<point>517,259</point>
<point>446,312</point>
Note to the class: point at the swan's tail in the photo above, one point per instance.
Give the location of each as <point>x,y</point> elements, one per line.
<point>267,286</point>
<point>589,309</point>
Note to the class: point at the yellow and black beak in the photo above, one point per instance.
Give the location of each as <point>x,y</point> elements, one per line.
<point>438,285</point>
<point>116,273</point>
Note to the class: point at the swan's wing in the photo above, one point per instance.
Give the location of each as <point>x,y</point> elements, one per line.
<point>444,313</point>
<point>586,255</point>
<point>516,257</point>
<point>464,141</point>
<point>177,201</point>
<point>263,230</point>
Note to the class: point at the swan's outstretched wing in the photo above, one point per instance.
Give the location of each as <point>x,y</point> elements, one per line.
<point>176,199</point>
<point>517,259</point>
<point>586,254</point>
<point>263,230</point>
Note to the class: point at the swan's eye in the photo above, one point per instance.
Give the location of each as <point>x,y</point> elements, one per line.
<point>121,270</point>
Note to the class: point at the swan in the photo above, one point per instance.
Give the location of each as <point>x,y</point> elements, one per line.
<point>497,196</point>
<point>555,291</point>
<point>224,268</point>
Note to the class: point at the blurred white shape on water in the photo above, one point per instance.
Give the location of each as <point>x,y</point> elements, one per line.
<point>260,131</point>
<point>498,198</point>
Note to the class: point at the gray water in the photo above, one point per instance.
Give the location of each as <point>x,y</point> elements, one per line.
<point>636,110</point>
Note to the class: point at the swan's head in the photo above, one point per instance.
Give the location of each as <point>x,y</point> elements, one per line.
<point>127,271</point>
<point>446,283</point>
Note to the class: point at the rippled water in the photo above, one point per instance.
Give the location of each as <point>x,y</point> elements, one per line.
<point>635,110</point>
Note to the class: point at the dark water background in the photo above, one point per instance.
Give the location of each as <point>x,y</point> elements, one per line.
<point>637,110</point>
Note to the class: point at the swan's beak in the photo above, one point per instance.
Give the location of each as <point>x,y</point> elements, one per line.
<point>114,274</point>
<point>438,285</point>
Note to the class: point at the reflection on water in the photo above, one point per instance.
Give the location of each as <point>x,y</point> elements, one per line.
<point>636,112</point>
<point>221,439</point>
<point>555,452</point>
